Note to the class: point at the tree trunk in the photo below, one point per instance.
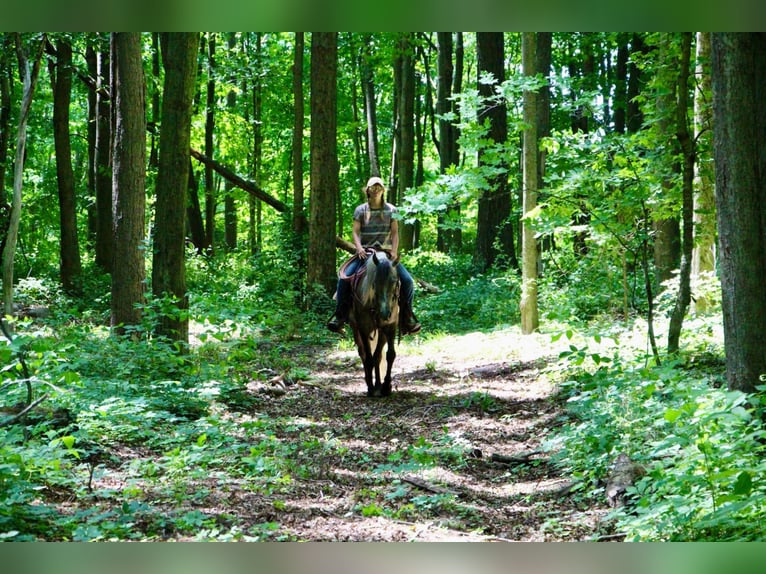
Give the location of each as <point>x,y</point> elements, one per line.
<point>70,268</point>
<point>155,101</point>
<point>128,180</point>
<point>739,88</point>
<point>494,232</point>
<point>687,150</point>
<point>209,147</point>
<point>6,75</point>
<point>103,167</point>
<point>528,303</point>
<point>448,238</point>
<point>543,66</point>
<point>299,214</point>
<point>91,59</point>
<point>29,76</point>
<point>667,231</point>
<point>368,89</point>
<point>703,257</point>
<point>179,54</point>
<point>406,164</point>
<point>194,213</point>
<point>254,204</point>
<point>321,268</point>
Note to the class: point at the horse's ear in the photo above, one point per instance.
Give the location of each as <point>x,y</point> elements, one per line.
<point>375,259</point>
<point>395,262</point>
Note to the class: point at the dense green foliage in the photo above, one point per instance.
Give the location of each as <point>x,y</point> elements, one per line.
<point>699,444</point>
<point>174,411</point>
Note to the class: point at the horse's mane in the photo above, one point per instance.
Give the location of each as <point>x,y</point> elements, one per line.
<point>373,276</point>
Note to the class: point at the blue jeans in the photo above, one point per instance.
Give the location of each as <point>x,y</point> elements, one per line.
<point>343,303</point>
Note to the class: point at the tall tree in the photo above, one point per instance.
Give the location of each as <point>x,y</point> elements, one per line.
<point>60,69</point>
<point>370,111</point>
<point>229,202</point>
<point>406,149</point>
<point>324,160</point>
<point>6,50</point>
<point>209,146</point>
<point>29,73</point>
<point>179,54</point>
<point>128,180</point>
<point>528,303</point>
<point>494,232</point>
<point>703,257</point>
<point>686,144</point>
<point>103,164</point>
<point>449,237</point>
<point>667,230</point>
<point>739,86</point>
<point>254,204</point>
<point>299,215</point>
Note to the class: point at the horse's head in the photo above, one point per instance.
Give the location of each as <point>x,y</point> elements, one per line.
<point>383,285</point>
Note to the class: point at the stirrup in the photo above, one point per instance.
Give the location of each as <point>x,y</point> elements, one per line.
<point>336,325</point>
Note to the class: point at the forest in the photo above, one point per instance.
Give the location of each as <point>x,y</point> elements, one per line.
<point>583,217</point>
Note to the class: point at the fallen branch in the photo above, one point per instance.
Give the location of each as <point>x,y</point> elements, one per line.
<point>514,459</point>
<point>20,414</point>
<point>427,486</point>
<point>248,186</point>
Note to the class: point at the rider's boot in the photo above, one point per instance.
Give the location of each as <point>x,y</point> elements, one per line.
<point>340,318</point>
<point>408,323</point>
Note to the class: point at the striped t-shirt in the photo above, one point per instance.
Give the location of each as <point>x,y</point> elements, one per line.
<point>375,224</point>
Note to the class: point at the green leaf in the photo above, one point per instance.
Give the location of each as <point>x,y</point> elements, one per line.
<point>68,441</point>
<point>744,484</point>
<point>672,414</point>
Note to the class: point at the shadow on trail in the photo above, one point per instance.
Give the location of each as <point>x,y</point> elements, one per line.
<point>447,455</point>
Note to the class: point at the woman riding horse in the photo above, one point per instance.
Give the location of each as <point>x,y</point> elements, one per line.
<point>375,226</point>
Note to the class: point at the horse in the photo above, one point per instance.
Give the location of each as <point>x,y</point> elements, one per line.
<point>374,318</point>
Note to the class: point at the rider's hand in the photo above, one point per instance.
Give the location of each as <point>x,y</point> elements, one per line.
<point>362,254</point>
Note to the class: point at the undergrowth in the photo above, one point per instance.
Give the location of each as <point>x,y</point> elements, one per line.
<point>164,418</point>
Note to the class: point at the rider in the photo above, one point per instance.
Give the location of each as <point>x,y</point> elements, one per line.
<point>374,225</point>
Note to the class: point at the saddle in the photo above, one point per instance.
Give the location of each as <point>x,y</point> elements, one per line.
<point>355,277</point>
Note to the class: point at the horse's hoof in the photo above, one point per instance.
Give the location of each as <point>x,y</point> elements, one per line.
<point>370,392</point>
<point>385,390</point>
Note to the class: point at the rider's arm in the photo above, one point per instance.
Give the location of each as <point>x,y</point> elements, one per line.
<point>394,238</point>
<point>356,231</point>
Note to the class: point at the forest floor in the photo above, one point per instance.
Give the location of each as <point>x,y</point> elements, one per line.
<point>454,454</point>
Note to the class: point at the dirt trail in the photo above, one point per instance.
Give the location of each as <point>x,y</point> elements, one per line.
<point>452,454</point>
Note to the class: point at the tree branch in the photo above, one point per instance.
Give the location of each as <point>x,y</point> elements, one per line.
<point>248,186</point>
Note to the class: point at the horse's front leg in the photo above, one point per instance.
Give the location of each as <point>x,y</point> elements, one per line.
<point>365,353</point>
<point>385,390</point>
<point>376,361</point>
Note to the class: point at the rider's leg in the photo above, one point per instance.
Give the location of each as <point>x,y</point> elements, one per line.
<point>408,323</point>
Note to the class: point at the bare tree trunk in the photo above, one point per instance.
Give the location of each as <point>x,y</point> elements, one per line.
<point>321,268</point>
<point>528,303</point>
<point>70,267</point>
<point>209,148</point>
<point>128,180</point>
<point>368,89</point>
<point>687,149</point>
<point>739,85</point>
<point>406,162</point>
<point>703,257</point>
<point>179,51</point>
<point>103,166</point>
<point>29,74</point>
<point>299,215</point>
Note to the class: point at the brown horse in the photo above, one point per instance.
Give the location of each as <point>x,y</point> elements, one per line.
<point>374,318</point>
